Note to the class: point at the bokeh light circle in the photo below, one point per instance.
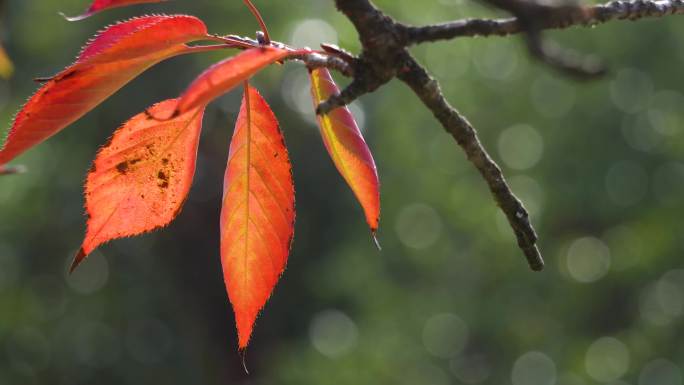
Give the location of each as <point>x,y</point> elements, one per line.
<point>534,368</point>
<point>607,359</point>
<point>588,259</point>
<point>333,333</point>
<point>520,146</point>
<point>445,335</point>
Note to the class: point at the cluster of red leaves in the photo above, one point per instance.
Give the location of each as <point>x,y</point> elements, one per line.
<point>141,178</point>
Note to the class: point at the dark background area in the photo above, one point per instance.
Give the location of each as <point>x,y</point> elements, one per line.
<point>449,300</point>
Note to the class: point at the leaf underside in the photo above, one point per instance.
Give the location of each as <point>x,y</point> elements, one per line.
<point>107,63</point>
<point>141,178</point>
<point>347,148</point>
<point>258,213</point>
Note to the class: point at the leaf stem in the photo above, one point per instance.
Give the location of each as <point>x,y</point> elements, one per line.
<point>234,41</point>
<point>207,48</point>
<point>260,20</point>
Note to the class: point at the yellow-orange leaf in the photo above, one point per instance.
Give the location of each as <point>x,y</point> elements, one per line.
<point>107,63</point>
<point>6,66</point>
<point>347,148</point>
<point>140,180</point>
<point>257,218</point>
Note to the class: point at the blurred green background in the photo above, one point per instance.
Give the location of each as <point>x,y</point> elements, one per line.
<point>449,300</point>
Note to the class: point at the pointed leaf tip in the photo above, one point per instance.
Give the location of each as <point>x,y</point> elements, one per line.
<point>243,357</point>
<point>101,5</point>
<point>74,18</point>
<point>80,256</point>
<point>347,148</point>
<point>258,212</point>
<point>374,235</point>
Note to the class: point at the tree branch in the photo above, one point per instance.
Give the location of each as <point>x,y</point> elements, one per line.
<point>315,60</point>
<point>429,92</point>
<point>588,16</point>
<point>384,56</point>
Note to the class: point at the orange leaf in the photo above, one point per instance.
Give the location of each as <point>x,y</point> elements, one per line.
<point>101,5</point>
<point>107,63</point>
<point>225,75</point>
<point>257,218</point>
<point>347,148</point>
<point>140,180</point>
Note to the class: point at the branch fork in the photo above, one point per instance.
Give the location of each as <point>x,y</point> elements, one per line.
<point>384,56</point>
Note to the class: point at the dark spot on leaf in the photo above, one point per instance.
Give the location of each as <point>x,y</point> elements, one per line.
<point>165,161</point>
<point>122,167</point>
<point>162,176</point>
<point>164,184</point>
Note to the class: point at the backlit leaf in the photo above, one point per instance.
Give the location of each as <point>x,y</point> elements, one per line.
<point>101,5</point>
<point>225,75</point>
<point>347,148</point>
<point>107,63</point>
<point>257,218</point>
<point>140,180</point>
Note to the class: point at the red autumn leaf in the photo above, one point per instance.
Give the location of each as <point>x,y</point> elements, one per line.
<point>347,148</point>
<point>140,180</point>
<point>107,63</point>
<point>257,218</point>
<point>225,75</point>
<point>101,5</point>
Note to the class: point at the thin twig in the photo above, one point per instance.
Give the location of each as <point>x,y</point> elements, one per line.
<point>260,20</point>
<point>565,60</point>
<point>590,16</point>
<point>316,60</point>
<point>429,92</point>
<point>346,96</point>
